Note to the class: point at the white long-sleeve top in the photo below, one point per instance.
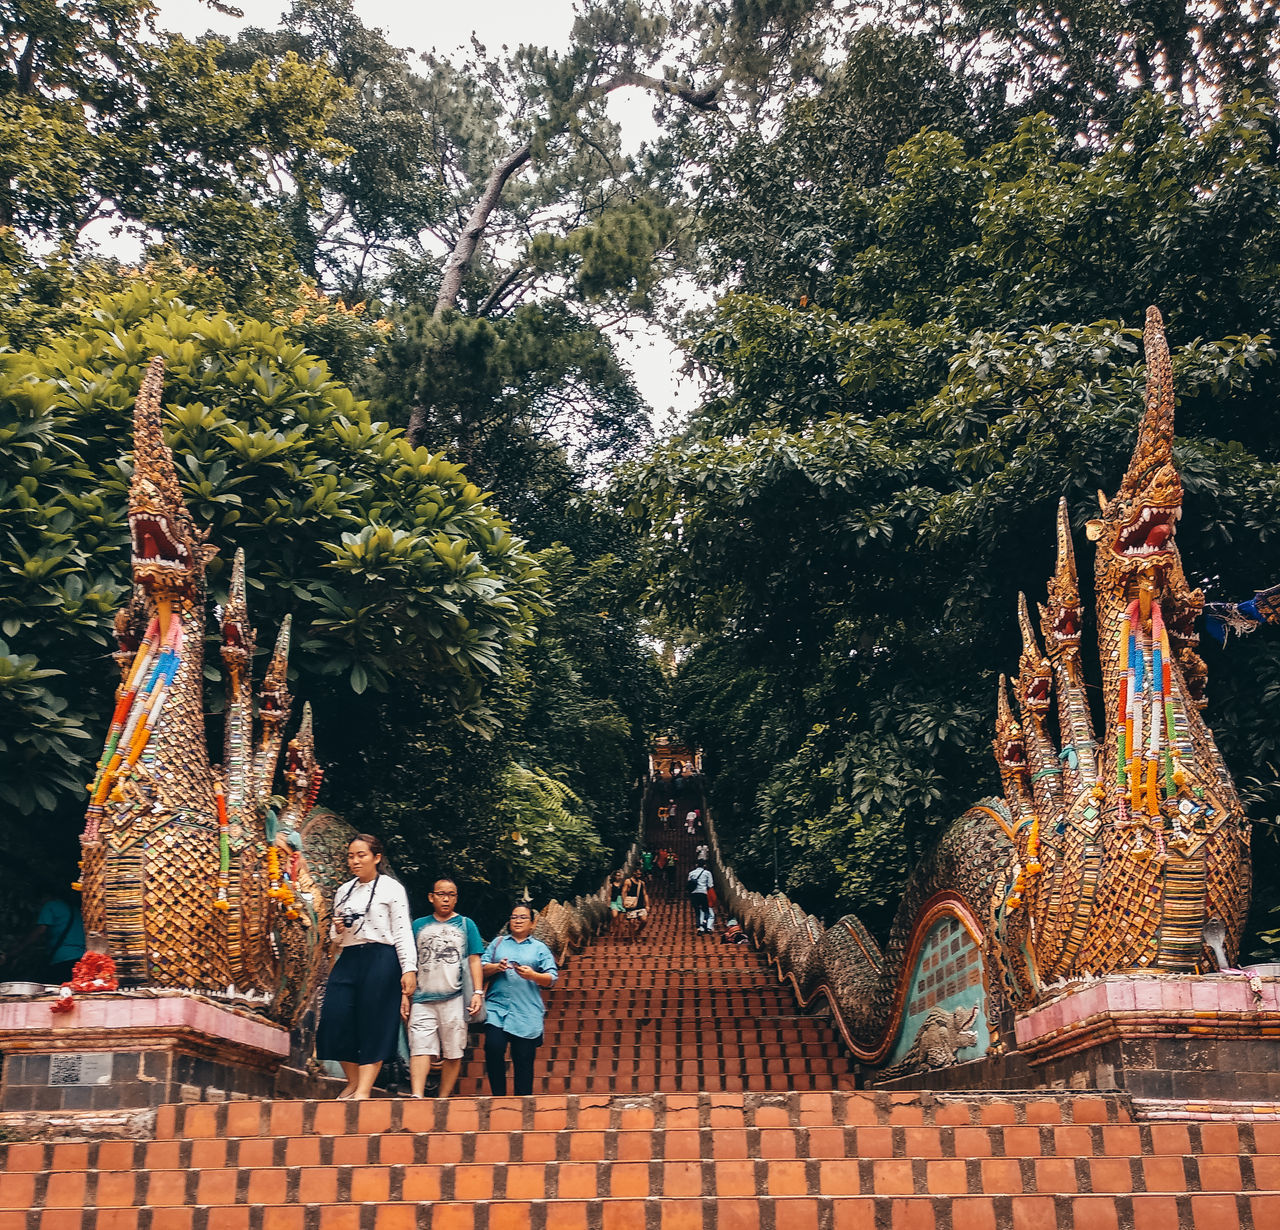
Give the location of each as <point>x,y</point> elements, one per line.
<point>386,919</point>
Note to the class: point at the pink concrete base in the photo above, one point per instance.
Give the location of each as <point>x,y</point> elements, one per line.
<point>123,1050</point>
<point>115,1016</point>
<point>1167,1005</point>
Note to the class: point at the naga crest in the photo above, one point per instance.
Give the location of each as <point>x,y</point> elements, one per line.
<point>1139,838</point>
<point>1060,615</point>
<point>169,555</point>
<point>182,878</point>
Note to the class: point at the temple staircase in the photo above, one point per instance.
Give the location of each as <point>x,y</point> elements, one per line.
<point>679,1088</point>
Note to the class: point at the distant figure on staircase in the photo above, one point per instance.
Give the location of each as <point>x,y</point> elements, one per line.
<point>437,1014</point>
<point>617,911</point>
<point>700,884</point>
<point>635,900</point>
<point>521,968</point>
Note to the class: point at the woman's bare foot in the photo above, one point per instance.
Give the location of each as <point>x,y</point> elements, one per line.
<point>346,1095</point>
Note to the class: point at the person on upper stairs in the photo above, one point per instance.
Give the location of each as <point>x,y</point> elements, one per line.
<point>521,968</point>
<point>617,911</point>
<point>635,900</point>
<point>700,885</point>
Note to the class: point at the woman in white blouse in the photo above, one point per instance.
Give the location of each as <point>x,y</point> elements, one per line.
<point>377,961</point>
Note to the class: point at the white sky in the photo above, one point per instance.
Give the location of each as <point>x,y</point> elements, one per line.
<point>445,27</point>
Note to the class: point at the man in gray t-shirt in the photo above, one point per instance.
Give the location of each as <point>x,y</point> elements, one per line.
<point>700,882</point>
<point>437,1013</point>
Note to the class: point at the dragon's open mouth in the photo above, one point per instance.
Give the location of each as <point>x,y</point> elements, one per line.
<point>1038,692</point>
<point>1149,533</point>
<point>154,542</point>
<point>1066,627</point>
<point>1013,755</point>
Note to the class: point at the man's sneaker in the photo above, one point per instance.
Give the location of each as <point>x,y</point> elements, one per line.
<point>433,1082</point>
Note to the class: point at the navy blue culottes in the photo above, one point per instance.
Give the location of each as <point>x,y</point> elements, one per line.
<point>360,1019</point>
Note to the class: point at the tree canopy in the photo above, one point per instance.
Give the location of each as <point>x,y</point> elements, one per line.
<point>389,289</point>
<point>846,522</point>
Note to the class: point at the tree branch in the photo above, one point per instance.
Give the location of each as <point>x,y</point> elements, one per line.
<point>464,251</point>
<point>501,289</point>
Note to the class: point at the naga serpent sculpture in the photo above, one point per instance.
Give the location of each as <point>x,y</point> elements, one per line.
<point>189,877</point>
<point>1101,856</point>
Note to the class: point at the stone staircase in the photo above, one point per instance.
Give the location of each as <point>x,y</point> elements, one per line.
<point>678,1088</point>
<point>675,1012</point>
<point>777,1161</point>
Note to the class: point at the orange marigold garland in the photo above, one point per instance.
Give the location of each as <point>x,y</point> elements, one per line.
<point>95,971</point>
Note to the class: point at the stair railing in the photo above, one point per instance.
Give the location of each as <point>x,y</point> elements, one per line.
<point>796,944</point>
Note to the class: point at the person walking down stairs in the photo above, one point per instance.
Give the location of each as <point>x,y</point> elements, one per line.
<point>521,968</point>
<point>437,1013</point>
<point>635,901</point>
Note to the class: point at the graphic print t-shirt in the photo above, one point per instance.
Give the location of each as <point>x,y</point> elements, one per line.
<point>442,948</point>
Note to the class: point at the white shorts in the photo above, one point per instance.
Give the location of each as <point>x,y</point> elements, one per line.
<point>637,913</point>
<point>442,1023</point>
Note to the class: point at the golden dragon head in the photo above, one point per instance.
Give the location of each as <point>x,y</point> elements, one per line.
<point>302,773</point>
<point>1060,616</point>
<point>275,700</point>
<point>238,641</point>
<point>1010,744</point>
<point>1135,534</point>
<point>169,554</point>
<point>1033,686</point>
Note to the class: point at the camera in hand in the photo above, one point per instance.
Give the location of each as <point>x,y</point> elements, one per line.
<point>349,918</point>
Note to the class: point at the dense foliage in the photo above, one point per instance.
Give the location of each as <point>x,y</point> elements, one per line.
<point>388,294</point>
<point>847,521</point>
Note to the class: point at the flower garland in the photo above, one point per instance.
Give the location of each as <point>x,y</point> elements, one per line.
<point>279,888</point>
<point>95,971</point>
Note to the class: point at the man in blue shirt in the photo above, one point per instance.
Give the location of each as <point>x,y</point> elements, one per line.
<point>438,1014</point>
<point>58,938</point>
<point>521,968</point>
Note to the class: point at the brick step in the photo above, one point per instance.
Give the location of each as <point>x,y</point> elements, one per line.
<point>860,1108</point>
<point>591,1179</point>
<point>626,1052</point>
<point>790,1025</point>
<point>706,1081</point>
<point>687,1021</point>
<point>684,998</point>
<point>691,1041</point>
<point>584,1067</point>
<point>583,977</point>
<point>745,1211</point>
<point>763,1042</point>
<point>1127,1153</point>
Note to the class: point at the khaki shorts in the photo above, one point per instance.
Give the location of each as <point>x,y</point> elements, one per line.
<point>438,1027</point>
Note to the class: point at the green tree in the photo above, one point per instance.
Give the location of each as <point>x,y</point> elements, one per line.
<point>392,563</point>
<point>103,117</point>
<point>848,520</point>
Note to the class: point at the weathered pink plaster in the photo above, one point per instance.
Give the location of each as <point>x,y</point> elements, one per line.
<point>1122,995</point>
<point>109,1012</point>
